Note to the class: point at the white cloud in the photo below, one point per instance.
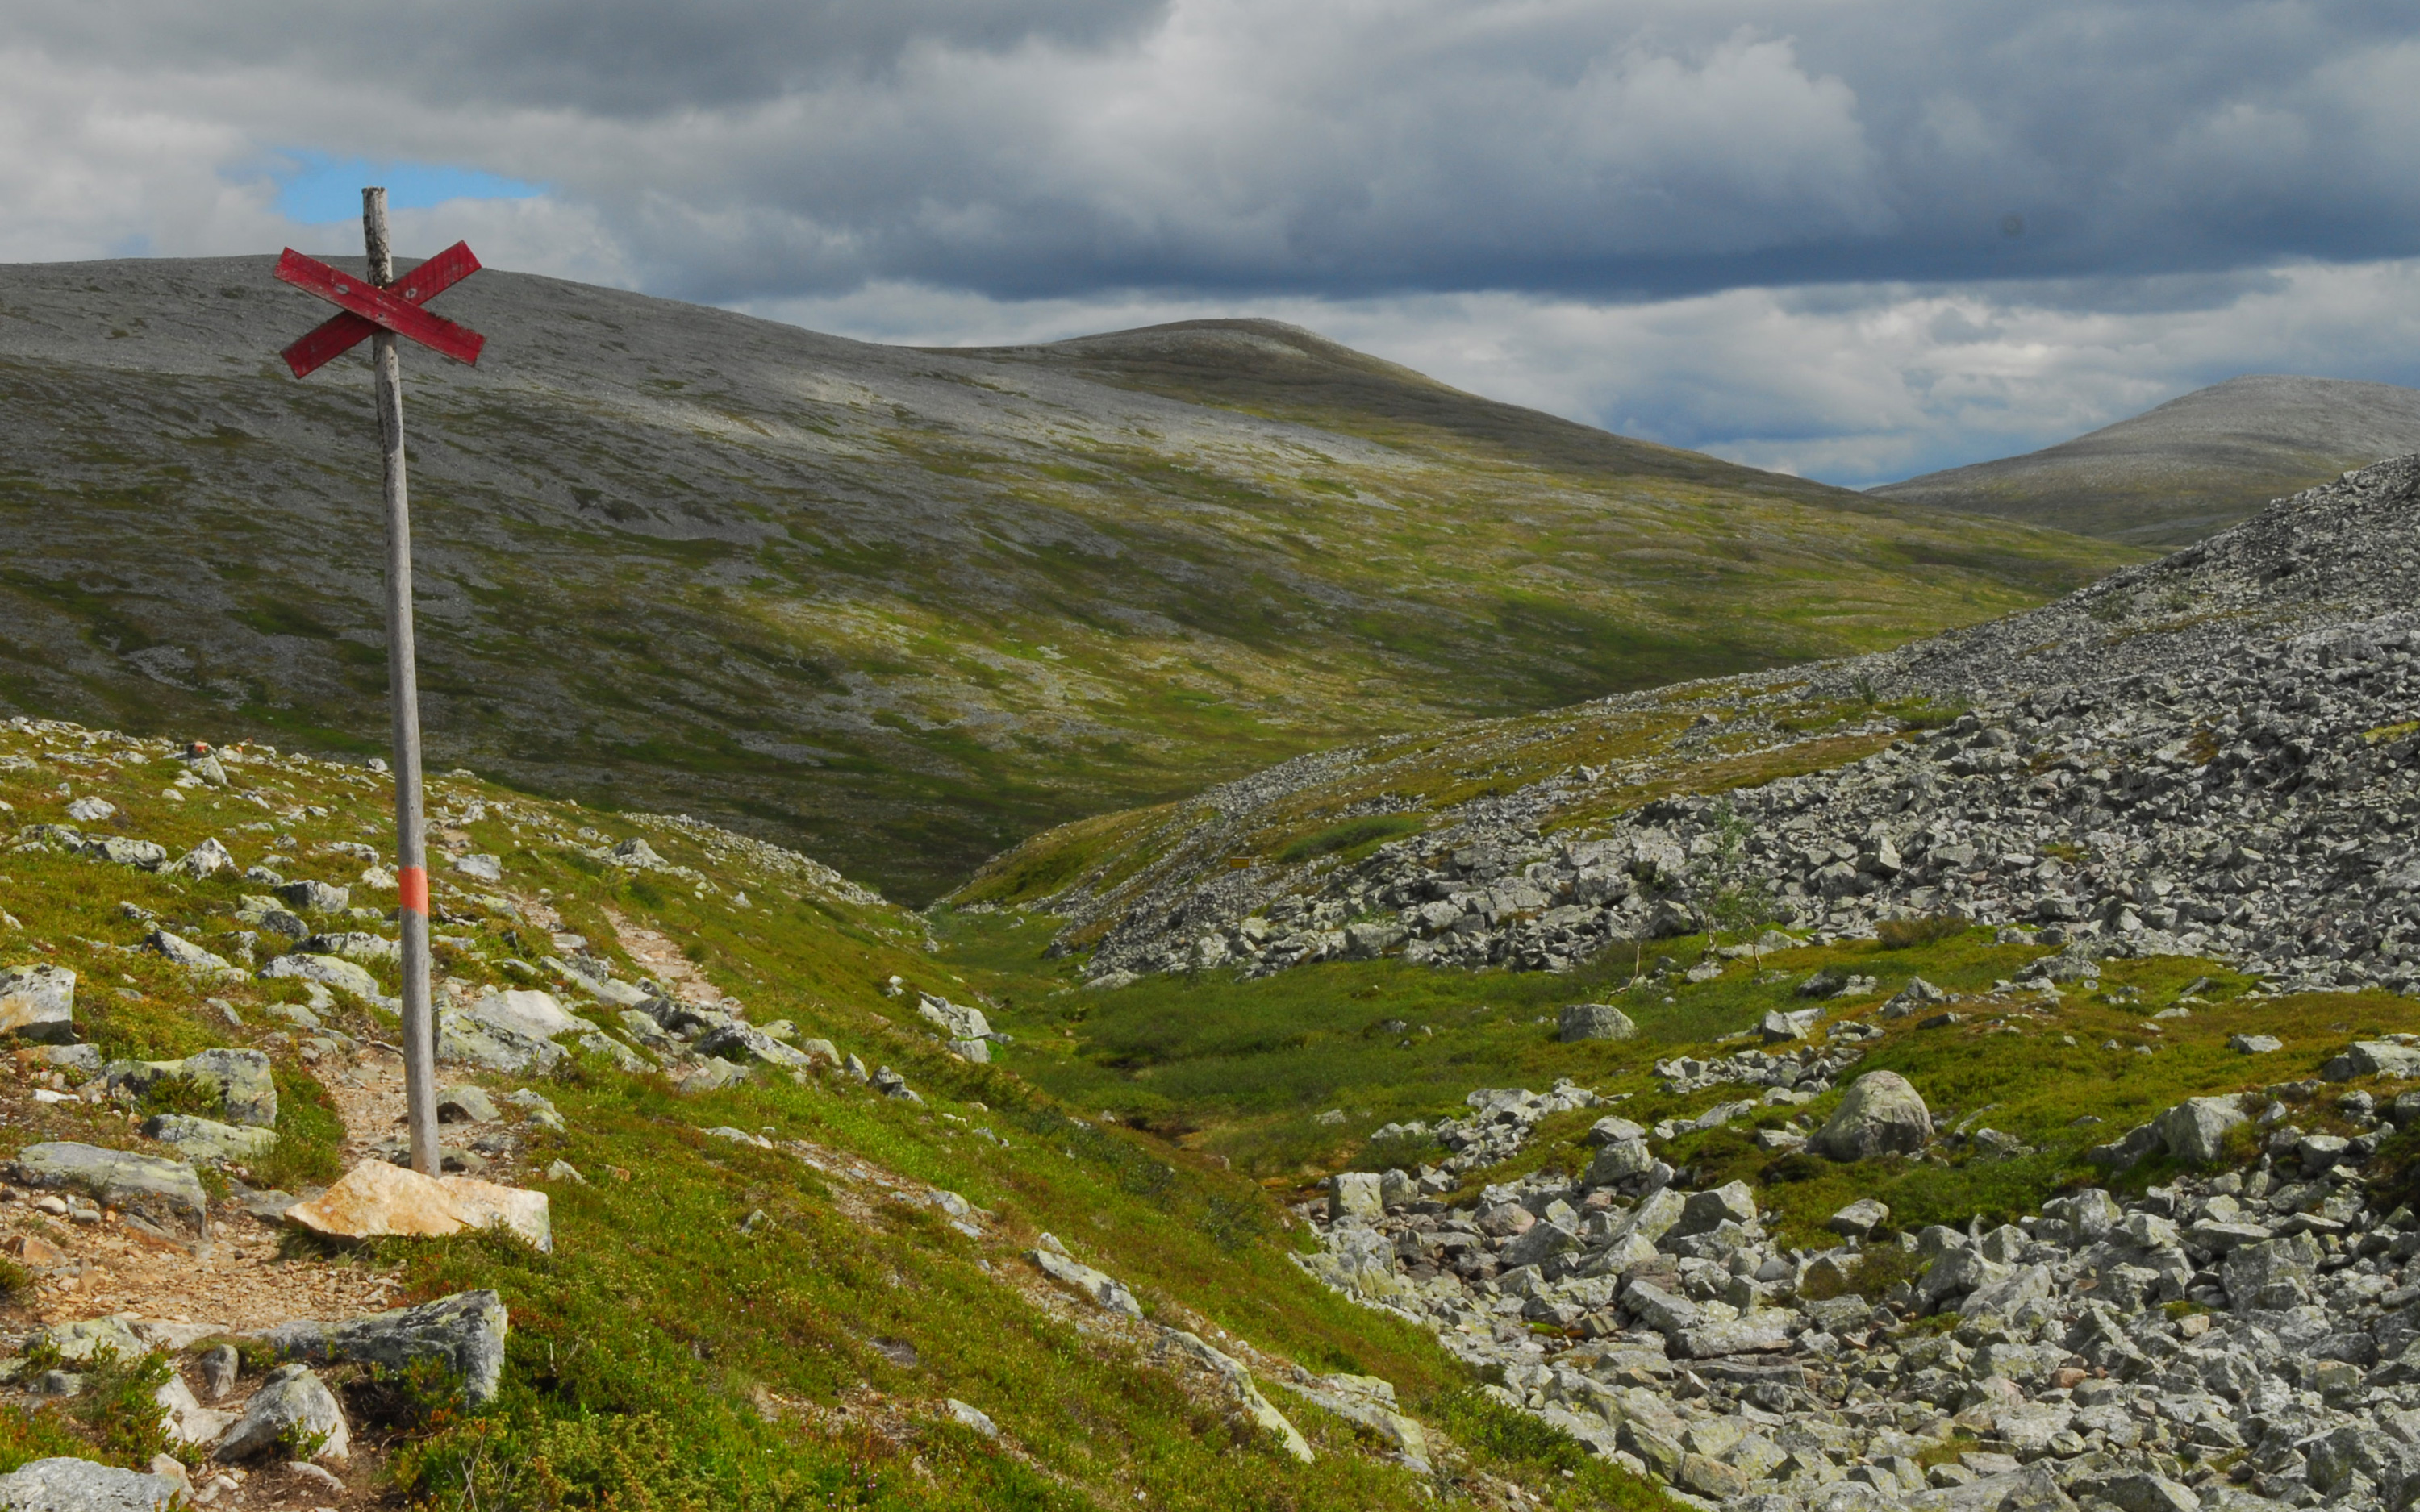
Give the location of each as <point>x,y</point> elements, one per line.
<point>1856,384</point>
<point>1775,232</point>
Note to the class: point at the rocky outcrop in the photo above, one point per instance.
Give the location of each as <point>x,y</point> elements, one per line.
<point>2213,755</point>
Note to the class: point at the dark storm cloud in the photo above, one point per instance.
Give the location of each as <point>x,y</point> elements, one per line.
<point>614,58</point>
<point>1607,150</point>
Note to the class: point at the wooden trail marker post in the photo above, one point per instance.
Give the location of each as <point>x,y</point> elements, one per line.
<point>372,308</point>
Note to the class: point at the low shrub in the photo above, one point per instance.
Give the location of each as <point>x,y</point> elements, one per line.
<point>1907,933</point>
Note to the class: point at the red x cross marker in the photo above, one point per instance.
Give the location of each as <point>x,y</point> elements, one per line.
<point>368,308</point>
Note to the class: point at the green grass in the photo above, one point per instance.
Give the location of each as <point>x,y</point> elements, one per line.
<point>661,1356</point>
<point>1243,1069</point>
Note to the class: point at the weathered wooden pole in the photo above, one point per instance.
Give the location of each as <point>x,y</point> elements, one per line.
<point>403,682</point>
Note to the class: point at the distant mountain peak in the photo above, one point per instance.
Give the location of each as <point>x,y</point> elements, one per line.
<point>2179,472</point>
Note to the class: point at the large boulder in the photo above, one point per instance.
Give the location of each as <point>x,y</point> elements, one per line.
<point>1881,1115</point>
<point>84,1338</point>
<point>2373,1058</point>
<point>328,971</point>
<point>1595,1021</point>
<point>1540,1242</point>
<point>965,1028</point>
<point>209,1142</point>
<point>292,1405</point>
<point>1620,1161</point>
<point>465,1332</point>
<point>1859,1218</point>
<point>37,1004</point>
<point>160,1191</point>
<point>508,1031</point>
<point>1704,1212</point>
<point>65,1485</point>
<point>1105,1291</point>
<point>745,1043</point>
<point>376,1199</point>
<point>239,1079</point>
<point>2195,1131</point>
<point>185,953</point>
<point>2270,1277</point>
<point>1355,1195</point>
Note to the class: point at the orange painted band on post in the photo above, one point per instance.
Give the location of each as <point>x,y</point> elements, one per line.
<point>412,882</point>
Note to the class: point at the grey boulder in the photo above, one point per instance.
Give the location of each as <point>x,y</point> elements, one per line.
<point>315,897</point>
<point>160,1191</point>
<point>1881,1115</point>
<point>464,1332</point>
<point>465,1105</point>
<point>246,1090</point>
<point>209,1142</point>
<point>1595,1021</point>
<point>290,1406</point>
<point>37,1004</point>
<point>1859,1218</point>
<point>65,1485</point>
<point>184,952</point>
<point>745,1043</point>
<point>328,970</point>
<point>2195,1130</point>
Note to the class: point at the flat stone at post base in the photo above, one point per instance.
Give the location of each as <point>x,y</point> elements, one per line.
<point>375,1198</point>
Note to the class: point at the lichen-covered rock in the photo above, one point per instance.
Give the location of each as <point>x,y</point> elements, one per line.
<point>292,1412</point>
<point>161,1191</point>
<point>239,1079</point>
<point>1353,1194</point>
<point>328,970</point>
<point>1881,1115</point>
<point>2195,1130</point>
<point>209,1142</point>
<point>37,1004</point>
<point>1595,1021</point>
<point>66,1485</point>
<point>465,1332</point>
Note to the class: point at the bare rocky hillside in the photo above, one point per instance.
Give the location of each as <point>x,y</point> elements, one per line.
<point>902,608</point>
<point>2195,464</point>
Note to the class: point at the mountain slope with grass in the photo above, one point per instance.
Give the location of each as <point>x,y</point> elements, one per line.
<point>779,1277</point>
<point>2192,467</point>
<point>901,607</point>
<point>1958,1122</point>
<point>1983,1074</point>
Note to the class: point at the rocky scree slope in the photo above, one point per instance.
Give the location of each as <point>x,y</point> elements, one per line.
<point>2190,468</point>
<point>2211,755</point>
<point>2241,1336</point>
<point>903,607</point>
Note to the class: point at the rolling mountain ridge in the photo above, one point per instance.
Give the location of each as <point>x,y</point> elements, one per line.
<point>902,608</point>
<point>2192,467</point>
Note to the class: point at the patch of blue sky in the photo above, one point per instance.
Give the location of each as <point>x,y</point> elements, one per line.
<point>313,188</point>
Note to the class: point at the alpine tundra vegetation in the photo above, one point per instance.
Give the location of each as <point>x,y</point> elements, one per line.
<point>1980,1073</point>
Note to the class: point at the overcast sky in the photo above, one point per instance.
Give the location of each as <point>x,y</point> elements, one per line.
<point>1852,239</point>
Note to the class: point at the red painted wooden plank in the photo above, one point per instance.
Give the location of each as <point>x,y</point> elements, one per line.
<point>340,333</point>
<point>330,339</point>
<point>350,292</point>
